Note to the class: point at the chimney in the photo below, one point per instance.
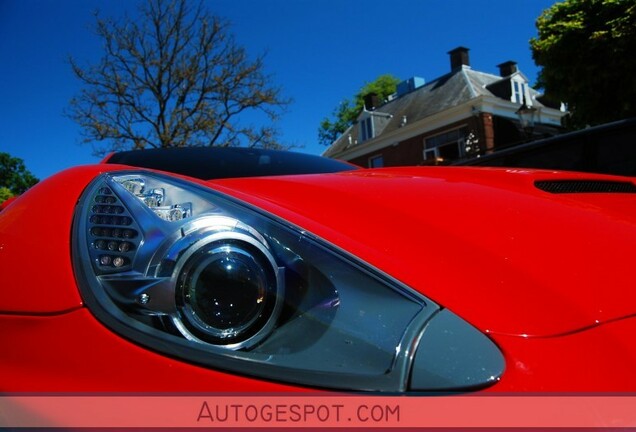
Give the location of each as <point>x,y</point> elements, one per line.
<point>371,101</point>
<point>508,68</point>
<point>459,58</point>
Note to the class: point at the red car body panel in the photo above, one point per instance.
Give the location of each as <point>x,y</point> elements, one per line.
<point>504,255</point>
<point>73,352</point>
<point>35,238</point>
<point>545,275</point>
<point>600,359</point>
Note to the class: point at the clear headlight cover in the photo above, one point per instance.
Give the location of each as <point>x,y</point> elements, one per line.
<point>184,270</point>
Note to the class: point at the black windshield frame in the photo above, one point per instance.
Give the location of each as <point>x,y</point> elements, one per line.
<point>209,163</point>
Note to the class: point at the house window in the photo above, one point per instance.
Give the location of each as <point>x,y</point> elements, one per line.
<point>366,129</point>
<point>376,161</point>
<point>519,90</point>
<point>447,146</point>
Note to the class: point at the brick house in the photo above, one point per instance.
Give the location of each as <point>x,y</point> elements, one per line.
<point>462,114</point>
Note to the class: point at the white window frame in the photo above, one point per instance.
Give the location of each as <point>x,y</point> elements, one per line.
<point>366,129</point>
<point>520,92</point>
<point>435,151</point>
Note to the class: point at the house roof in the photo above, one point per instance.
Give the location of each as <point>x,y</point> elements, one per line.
<point>450,90</point>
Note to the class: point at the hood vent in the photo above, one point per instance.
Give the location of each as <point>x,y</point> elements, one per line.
<point>585,186</point>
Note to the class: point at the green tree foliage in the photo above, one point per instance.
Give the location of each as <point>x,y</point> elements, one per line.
<point>172,77</point>
<point>5,194</point>
<point>347,112</point>
<point>331,128</point>
<point>586,49</point>
<point>15,179</point>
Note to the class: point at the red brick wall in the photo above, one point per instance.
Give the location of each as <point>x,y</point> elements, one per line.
<point>411,151</point>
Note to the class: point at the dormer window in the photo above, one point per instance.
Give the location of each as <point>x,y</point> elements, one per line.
<point>366,129</point>
<point>371,124</point>
<point>520,93</point>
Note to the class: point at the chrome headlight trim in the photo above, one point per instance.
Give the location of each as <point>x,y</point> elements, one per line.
<point>223,245</point>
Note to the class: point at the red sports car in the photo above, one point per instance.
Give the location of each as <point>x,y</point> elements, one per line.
<point>254,270</point>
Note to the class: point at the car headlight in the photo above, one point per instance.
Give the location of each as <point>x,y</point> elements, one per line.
<point>189,272</point>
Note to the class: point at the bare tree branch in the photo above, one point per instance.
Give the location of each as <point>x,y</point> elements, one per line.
<point>173,77</point>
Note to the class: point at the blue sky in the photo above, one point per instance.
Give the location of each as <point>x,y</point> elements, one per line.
<point>319,51</point>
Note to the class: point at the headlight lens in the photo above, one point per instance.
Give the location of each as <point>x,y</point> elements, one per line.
<point>189,272</point>
<point>227,291</point>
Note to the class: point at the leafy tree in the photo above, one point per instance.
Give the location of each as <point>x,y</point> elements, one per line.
<point>331,128</point>
<point>586,51</point>
<point>172,77</point>
<point>347,112</point>
<point>5,194</point>
<point>14,177</point>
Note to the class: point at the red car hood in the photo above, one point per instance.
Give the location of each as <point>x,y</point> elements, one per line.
<point>486,243</point>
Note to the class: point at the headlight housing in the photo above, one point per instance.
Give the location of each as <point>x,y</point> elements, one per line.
<point>189,272</point>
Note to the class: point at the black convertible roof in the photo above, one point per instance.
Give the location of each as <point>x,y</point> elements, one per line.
<point>209,163</point>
